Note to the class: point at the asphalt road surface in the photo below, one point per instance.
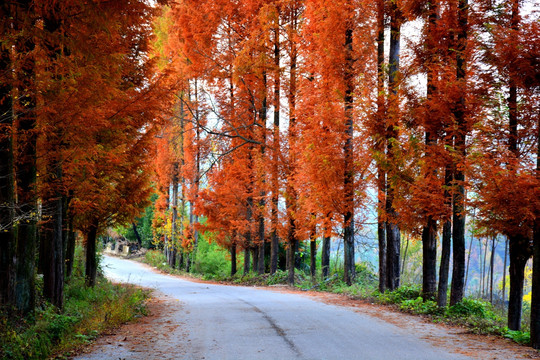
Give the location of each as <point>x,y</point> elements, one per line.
<point>235,322</point>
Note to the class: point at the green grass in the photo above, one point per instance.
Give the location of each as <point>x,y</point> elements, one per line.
<point>87,313</point>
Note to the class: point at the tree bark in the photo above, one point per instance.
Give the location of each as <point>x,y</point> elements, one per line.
<point>91,261</point>
<point>70,246</point>
<point>291,199</point>
<point>325,257</point>
<point>274,245</point>
<point>313,255</point>
<point>519,255</point>
<point>349,272</point>
<point>381,173</point>
<point>7,198</point>
<point>393,235</point>
<point>25,163</point>
<point>233,259</point>
<point>535,301</point>
<point>429,252</point>
<point>458,215</point>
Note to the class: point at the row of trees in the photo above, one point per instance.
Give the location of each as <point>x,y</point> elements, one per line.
<point>289,113</point>
<point>77,94</point>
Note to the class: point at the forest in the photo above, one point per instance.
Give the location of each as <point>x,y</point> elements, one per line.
<point>278,130</point>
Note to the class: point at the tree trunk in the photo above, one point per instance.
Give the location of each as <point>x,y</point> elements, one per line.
<point>393,236</point>
<point>137,236</point>
<point>381,174</point>
<point>458,214</point>
<point>52,251</point>
<point>325,257</point>
<point>348,217</point>
<point>274,245</point>
<point>247,261</point>
<point>442,291</point>
<point>469,253</point>
<point>404,262</point>
<point>535,301</point>
<point>70,246</point>
<point>313,256</point>
<point>429,253</point>
<point>519,255</point>
<point>91,261</point>
<point>504,271</point>
<point>233,259</point>
<point>255,257</point>
<point>25,163</point>
<point>7,198</point>
<point>491,268</point>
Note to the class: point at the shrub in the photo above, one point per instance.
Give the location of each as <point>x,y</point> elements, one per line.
<point>419,306</point>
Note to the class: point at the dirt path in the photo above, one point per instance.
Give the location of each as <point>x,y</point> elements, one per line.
<point>200,320</point>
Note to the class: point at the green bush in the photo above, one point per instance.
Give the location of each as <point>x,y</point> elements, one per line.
<point>419,306</point>
<point>211,260</point>
<point>471,307</point>
<point>405,292</point>
<point>521,337</point>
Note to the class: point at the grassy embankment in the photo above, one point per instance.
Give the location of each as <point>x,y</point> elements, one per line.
<point>87,313</point>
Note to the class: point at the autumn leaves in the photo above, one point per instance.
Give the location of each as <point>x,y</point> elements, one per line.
<point>297,109</point>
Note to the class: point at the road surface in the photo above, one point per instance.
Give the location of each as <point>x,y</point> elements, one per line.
<point>210,321</point>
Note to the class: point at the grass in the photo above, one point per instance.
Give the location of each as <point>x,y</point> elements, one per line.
<point>87,313</point>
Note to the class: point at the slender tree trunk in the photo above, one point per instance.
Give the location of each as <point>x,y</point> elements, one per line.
<point>260,264</point>
<point>255,257</point>
<point>174,221</point>
<point>247,258</point>
<point>381,138</point>
<point>442,292</point>
<point>491,268</point>
<point>52,251</point>
<point>233,259</point>
<point>291,191</point>
<point>348,222</point>
<point>504,271</point>
<point>274,245</point>
<point>429,232</point>
<point>535,301</point>
<point>313,255</point>
<point>484,271</point>
<point>519,255</point>
<point>25,160</point>
<point>51,242</point>
<point>70,246</point>
<point>458,216</point>
<point>404,262</point>
<point>7,198</point>
<point>248,241</point>
<point>468,259</point>
<point>429,252</point>
<point>393,235</point>
<point>91,261</point>
<point>325,256</point>
<point>482,266</point>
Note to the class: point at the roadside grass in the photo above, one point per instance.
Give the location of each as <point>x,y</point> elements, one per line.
<point>477,315</point>
<point>87,313</point>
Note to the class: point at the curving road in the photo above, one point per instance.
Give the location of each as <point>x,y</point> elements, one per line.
<point>235,322</point>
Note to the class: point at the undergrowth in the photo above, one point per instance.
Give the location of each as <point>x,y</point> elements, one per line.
<point>87,312</point>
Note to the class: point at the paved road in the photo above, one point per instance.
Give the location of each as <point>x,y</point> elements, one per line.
<point>234,322</point>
